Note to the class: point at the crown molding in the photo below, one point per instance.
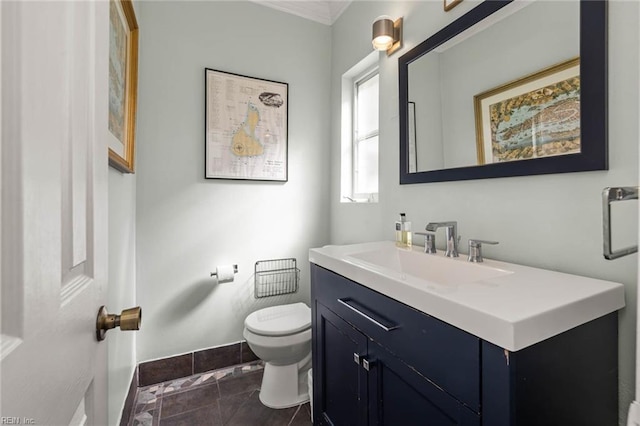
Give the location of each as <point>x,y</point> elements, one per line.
<point>324,12</point>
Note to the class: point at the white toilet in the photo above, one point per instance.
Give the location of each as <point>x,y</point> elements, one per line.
<point>281,337</point>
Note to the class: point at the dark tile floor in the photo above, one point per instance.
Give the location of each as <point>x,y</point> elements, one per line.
<point>227,396</point>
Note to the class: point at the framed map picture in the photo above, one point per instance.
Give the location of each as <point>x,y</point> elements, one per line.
<point>246,125</point>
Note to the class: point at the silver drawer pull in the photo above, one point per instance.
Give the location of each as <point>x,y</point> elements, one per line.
<point>356,358</point>
<point>378,323</point>
<point>612,195</point>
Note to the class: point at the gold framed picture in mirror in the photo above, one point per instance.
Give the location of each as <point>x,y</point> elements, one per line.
<point>535,116</point>
<point>450,4</point>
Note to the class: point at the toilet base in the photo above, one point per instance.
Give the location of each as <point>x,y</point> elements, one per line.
<point>284,386</point>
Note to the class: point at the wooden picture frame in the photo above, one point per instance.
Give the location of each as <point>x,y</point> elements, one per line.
<point>123,84</point>
<point>450,4</point>
<point>535,116</point>
<point>246,127</point>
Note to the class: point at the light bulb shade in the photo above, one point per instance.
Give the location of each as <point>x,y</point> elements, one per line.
<point>382,33</point>
<point>382,42</point>
<point>387,34</point>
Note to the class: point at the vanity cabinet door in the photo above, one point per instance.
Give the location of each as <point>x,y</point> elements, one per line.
<point>399,394</point>
<point>340,383</point>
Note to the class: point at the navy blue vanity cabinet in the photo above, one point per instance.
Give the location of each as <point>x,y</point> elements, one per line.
<point>376,364</point>
<point>377,361</point>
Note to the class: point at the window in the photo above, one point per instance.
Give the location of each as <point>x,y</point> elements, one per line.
<point>365,137</point>
<point>359,132</point>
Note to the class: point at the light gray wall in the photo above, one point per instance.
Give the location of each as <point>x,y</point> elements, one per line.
<point>187,225</point>
<point>122,287</point>
<point>552,221</point>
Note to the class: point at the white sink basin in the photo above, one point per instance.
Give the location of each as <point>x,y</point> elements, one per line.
<point>433,269</point>
<point>510,305</point>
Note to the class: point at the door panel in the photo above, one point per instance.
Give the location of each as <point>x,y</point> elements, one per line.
<point>54,206</point>
<point>342,380</point>
<point>399,393</point>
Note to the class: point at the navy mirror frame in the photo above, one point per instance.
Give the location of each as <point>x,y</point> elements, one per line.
<point>593,102</point>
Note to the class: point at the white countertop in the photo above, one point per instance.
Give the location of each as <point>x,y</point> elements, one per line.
<point>520,307</point>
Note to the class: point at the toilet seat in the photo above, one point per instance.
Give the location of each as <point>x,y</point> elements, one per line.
<point>279,320</point>
<point>301,338</point>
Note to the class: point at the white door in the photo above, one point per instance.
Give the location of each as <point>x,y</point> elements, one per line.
<point>54,211</point>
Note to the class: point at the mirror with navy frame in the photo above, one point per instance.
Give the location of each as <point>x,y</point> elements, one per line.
<point>510,88</point>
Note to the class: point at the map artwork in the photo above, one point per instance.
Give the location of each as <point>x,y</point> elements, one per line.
<point>246,127</point>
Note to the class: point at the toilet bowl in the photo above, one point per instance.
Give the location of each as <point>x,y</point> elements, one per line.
<point>281,337</point>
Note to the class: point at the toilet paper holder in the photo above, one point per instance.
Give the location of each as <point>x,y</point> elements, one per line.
<point>235,271</point>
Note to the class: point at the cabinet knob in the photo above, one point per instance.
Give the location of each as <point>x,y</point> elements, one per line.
<point>366,364</point>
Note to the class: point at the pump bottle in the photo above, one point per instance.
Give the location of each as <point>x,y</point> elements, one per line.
<point>403,232</point>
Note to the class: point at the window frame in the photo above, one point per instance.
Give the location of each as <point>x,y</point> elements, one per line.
<point>358,80</point>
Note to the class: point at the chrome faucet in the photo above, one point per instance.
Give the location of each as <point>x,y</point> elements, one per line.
<point>451,234</point>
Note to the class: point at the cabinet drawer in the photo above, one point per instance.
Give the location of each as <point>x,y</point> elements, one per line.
<point>446,355</point>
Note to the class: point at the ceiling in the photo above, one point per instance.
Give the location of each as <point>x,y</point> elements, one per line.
<point>326,12</point>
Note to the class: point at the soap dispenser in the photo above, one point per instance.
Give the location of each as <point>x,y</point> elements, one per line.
<point>403,232</point>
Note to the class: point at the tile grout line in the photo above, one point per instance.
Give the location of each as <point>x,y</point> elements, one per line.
<point>219,395</point>
<point>159,403</point>
<point>219,407</point>
<point>294,415</point>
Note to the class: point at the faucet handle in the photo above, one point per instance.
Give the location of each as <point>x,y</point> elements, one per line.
<point>429,242</point>
<point>475,249</point>
<point>478,243</point>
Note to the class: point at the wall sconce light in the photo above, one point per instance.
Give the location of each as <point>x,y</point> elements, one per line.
<point>387,34</point>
